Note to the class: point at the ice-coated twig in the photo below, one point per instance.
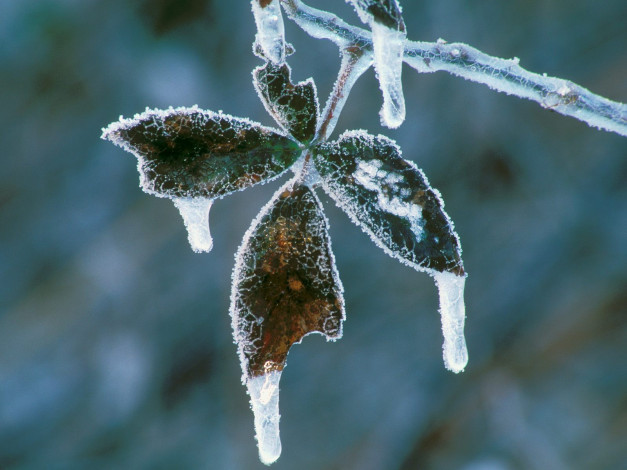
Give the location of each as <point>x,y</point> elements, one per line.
<point>324,25</point>
<point>355,62</point>
<point>503,75</point>
<point>507,76</point>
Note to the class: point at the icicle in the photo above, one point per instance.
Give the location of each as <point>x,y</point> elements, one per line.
<point>264,398</point>
<point>270,29</point>
<point>388,47</point>
<point>453,312</point>
<point>195,213</point>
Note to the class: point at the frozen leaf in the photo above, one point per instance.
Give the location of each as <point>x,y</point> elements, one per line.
<point>285,286</point>
<point>192,153</point>
<point>270,29</point>
<point>391,200</point>
<point>293,107</point>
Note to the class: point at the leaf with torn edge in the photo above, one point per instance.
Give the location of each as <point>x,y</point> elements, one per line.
<point>293,107</point>
<point>285,283</point>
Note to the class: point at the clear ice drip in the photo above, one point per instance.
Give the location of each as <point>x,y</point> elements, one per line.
<point>270,30</point>
<point>264,398</point>
<point>195,213</point>
<point>453,312</point>
<point>388,45</point>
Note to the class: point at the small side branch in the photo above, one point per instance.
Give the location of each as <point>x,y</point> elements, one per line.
<point>354,63</point>
<point>502,75</point>
<point>324,25</point>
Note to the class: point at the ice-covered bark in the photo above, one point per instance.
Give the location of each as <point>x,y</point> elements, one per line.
<point>293,107</point>
<point>507,76</point>
<point>502,75</point>
<point>270,29</point>
<point>285,286</point>
<point>391,200</point>
<point>354,63</point>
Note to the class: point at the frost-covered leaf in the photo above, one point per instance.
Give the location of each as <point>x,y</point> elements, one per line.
<point>192,153</point>
<point>285,286</point>
<point>391,200</point>
<point>270,29</point>
<point>293,107</point>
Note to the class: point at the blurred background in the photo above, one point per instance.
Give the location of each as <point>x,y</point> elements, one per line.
<point>115,340</point>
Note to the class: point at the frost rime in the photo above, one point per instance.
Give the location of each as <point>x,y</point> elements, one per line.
<point>453,312</point>
<point>195,213</point>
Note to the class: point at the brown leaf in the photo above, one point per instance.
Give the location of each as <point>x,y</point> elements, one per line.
<point>285,284</point>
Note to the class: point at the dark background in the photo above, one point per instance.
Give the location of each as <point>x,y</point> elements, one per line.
<point>115,340</point>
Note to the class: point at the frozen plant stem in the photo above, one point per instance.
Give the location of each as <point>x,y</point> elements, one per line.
<point>354,63</point>
<point>464,61</point>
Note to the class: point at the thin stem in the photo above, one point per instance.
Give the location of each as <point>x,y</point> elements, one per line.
<point>355,62</point>
<point>502,75</point>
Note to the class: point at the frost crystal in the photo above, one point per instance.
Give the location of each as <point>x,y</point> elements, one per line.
<point>195,213</point>
<point>453,311</point>
<point>388,47</point>
<point>264,399</point>
<point>270,29</point>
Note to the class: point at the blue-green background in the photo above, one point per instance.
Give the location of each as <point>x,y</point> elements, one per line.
<point>115,341</point>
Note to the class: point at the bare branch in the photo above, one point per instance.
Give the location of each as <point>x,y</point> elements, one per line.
<point>464,61</point>
<point>507,76</point>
